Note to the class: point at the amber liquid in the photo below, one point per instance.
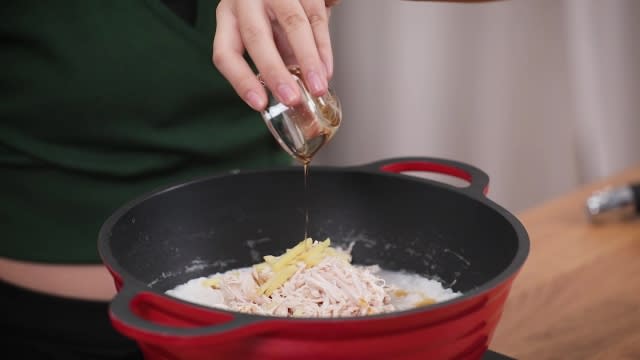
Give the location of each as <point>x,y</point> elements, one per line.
<point>306,199</point>
<point>301,131</point>
<point>304,154</point>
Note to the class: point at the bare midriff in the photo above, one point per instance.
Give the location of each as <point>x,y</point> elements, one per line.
<point>86,282</point>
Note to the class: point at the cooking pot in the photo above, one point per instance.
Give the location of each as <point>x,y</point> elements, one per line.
<point>398,221</point>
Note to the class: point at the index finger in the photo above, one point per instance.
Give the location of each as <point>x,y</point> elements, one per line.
<point>227,57</point>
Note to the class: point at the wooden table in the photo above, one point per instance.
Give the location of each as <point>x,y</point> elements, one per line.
<point>578,294</point>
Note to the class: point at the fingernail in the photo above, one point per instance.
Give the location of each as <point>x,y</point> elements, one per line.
<point>254,100</point>
<point>315,83</point>
<point>286,93</point>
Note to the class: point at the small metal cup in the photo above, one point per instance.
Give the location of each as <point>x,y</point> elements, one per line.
<point>303,129</point>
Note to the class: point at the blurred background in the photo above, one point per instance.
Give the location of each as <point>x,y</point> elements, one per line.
<point>542,95</point>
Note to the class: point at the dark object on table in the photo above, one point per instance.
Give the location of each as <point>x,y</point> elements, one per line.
<point>492,355</point>
<point>614,203</point>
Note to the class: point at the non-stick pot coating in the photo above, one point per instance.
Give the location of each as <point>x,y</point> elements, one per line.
<point>396,221</point>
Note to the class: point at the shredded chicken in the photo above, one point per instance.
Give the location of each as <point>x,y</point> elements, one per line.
<point>306,282</point>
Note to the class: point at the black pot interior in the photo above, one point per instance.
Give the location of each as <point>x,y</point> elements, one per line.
<point>397,222</point>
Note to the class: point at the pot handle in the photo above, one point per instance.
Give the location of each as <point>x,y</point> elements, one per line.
<point>478,179</point>
<point>149,317</point>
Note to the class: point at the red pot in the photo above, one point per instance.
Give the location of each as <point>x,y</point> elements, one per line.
<point>400,222</point>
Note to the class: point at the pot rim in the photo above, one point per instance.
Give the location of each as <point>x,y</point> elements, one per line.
<point>509,273</point>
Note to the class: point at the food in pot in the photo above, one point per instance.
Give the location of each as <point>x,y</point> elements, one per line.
<point>313,279</point>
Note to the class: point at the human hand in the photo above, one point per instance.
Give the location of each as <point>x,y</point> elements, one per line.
<point>275,34</point>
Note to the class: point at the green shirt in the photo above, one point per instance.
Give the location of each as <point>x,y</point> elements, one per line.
<point>101,101</point>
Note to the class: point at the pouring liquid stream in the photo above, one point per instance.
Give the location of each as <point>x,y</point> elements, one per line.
<point>301,130</point>
<point>304,156</point>
<point>306,199</point>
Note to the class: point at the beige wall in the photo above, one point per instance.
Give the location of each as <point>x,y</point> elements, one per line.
<point>543,95</point>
